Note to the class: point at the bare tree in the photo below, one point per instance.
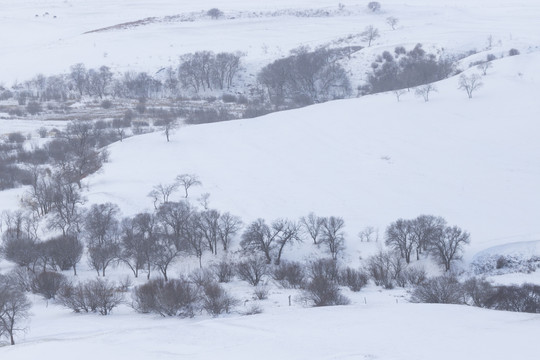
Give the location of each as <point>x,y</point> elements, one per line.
<point>229,225</point>
<point>398,93</point>
<point>162,192</point>
<point>369,34</point>
<point>312,225</point>
<point>208,224</point>
<point>102,236</point>
<point>449,246</point>
<point>66,207</point>
<point>333,236</point>
<point>484,66</point>
<point>174,219</point>
<point>392,21</point>
<point>187,181</point>
<point>425,229</point>
<point>369,234</point>
<point>214,13</point>
<point>470,83</point>
<point>14,309</point>
<point>252,270</point>
<point>399,236</point>
<point>425,90</point>
<point>66,251</point>
<point>374,6</point>
<point>79,77</point>
<point>287,232</point>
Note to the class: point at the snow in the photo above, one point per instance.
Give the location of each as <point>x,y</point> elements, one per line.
<point>370,160</point>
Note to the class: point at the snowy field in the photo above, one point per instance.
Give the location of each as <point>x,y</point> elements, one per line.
<point>370,160</point>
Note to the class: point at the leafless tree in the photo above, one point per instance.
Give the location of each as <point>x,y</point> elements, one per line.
<point>425,90</point>
<point>66,207</point>
<point>79,77</point>
<point>385,268</point>
<point>398,93</point>
<point>470,83</point>
<point>392,21</point>
<point>208,223</point>
<point>374,6</point>
<point>399,236</point>
<point>102,234</point>
<point>425,229</point>
<point>369,234</point>
<point>369,34</point>
<point>175,220</point>
<point>312,225</point>
<point>66,251</point>
<point>252,270</point>
<point>162,192</point>
<point>137,239</point>
<point>333,236</point>
<point>214,13</point>
<point>187,181</point>
<point>484,66</point>
<point>229,225</point>
<point>449,246</point>
<point>14,309</point>
<point>99,80</point>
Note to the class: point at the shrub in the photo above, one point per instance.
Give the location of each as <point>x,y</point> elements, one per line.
<point>513,52</point>
<point>93,296</point>
<point>414,276</point>
<point>439,290</point>
<point>525,298</point>
<point>478,292</point>
<point>326,268</point>
<point>490,57</point>
<point>216,300</point>
<point>223,271</point>
<point>175,297</point>
<point>321,291</point>
<point>252,270</point>
<point>353,279</point>
<point>106,104</point>
<point>48,284</point>
<point>214,13</point>
<point>261,292</point>
<point>374,6</point>
<point>34,108</point>
<point>289,274</point>
<point>201,277</point>
<point>228,98</point>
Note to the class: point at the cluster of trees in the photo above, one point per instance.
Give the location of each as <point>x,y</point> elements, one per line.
<point>407,69</point>
<point>199,71</point>
<point>427,233</point>
<point>305,77</point>
<point>478,292</point>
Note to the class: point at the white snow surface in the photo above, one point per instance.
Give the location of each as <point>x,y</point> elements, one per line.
<point>371,160</point>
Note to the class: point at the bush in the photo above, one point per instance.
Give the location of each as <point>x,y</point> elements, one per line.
<point>93,296</point>
<point>48,284</point>
<point>415,276</point>
<point>478,292</point>
<point>216,300</point>
<point>320,291</point>
<point>326,268</point>
<point>439,290</point>
<point>214,13</point>
<point>374,6</point>
<point>34,108</point>
<point>490,57</point>
<point>228,98</point>
<point>175,297</point>
<point>201,277</point>
<point>106,104</point>
<point>223,271</point>
<point>525,298</point>
<point>513,52</point>
<point>252,270</point>
<point>261,292</point>
<point>290,275</point>
<point>353,279</point>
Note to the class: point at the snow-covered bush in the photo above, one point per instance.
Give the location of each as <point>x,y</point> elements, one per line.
<point>93,296</point>
<point>290,274</point>
<point>353,279</point>
<point>223,271</point>
<point>175,297</point>
<point>252,270</point>
<point>48,284</point>
<point>320,291</point>
<point>439,290</point>
<point>216,300</point>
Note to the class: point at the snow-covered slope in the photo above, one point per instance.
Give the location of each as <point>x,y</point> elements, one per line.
<point>370,160</point>
<point>392,331</point>
<point>49,36</point>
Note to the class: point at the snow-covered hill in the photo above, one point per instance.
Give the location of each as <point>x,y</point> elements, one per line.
<point>371,160</point>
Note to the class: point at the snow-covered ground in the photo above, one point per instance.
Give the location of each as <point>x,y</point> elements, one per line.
<point>371,160</point>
